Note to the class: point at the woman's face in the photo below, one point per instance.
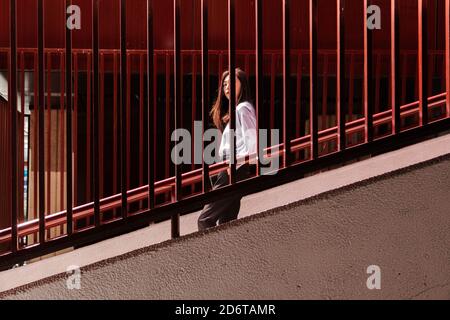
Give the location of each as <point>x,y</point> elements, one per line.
<point>227,88</point>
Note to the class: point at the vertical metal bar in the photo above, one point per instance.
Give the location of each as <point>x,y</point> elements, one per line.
<point>123,92</point>
<point>395,68</point>
<point>181,114</point>
<point>35,136</point>
<point>151,106</point>
<point>404,75</point>
<point>313,27</point>
<point>272,90</point>
<point>75,128</point>
<point>141,123</point>
<point>431,67</point>
<point>194,109</point>
<point>351,90</point>
<point>287,111</point>
<point>323,118</point>
<point>88,128</point>
<point>377,82</point>
<point>177,110</point>
<point>41,121</point>
<point>21,155</point>
<point>298,111</point>
<point>115,126</point>
<point>443,75</point>
<point>368,87</point>
<point>168,116</point>
<point>220,66</point>
<point>340,90</point>
<point>61,135</point>
<point>95,107</point>
<point>232,71</point>
<point>447,52</point>
<point>155,108</point>
<point>101,125</point>
<point>423,60</point>
<point>259,79</point>
<point>128,116</point>
<point>13,104</point>
<point>49,130</point>
<point>69,188</point>
<point>206,185</point>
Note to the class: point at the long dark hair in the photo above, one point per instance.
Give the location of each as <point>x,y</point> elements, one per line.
<point>220,110</point>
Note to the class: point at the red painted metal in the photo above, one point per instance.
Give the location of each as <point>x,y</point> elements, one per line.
<point>368,81</point>
<point>35,135</point>
<point>12,90</point>
<point>447,52</point>
<point>128,121</point>
<point>21,159</point>
<point>423,60</point>
<point>404,76</point>
<point>49,133</point>
<point>95,111</point>
<point>298,110</point>
<point>115,122</point>
<point>287,114</point>
<point>351,89</point>
<point>123,109</point>
<point>272,90</point>
<point>313,113</point>
<point>75,127</point>
<point>324,117</point>
<point>141,122</point>
<point>193,107</point>
<point>395,65</point>
<point>206,185</point>
<point>377,81</point>
<point>88,159</point>
<point>151,106</point>
<point>232,74</point>
<point>101,125</point>
<point>177,72</point>
<point>62,155</point>
<point>42,227</point>
<point>69,133</point>
<point>259,75</point>
<point>155,106</point>
<point>167,118</point>
<point>341,109</point>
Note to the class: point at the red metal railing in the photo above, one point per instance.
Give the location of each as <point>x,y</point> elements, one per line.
<point>114,183</point>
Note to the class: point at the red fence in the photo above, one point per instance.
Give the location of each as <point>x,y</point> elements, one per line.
<point>100,157</point>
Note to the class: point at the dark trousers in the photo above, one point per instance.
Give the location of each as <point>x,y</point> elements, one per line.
<point>226,209</point>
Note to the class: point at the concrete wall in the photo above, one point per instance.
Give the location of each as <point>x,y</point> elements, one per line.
<point>317,248</point>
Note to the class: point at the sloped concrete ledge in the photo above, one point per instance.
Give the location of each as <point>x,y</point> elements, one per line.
<point>319,247</point>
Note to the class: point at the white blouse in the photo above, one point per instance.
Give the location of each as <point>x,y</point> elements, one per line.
<point>245,133</point>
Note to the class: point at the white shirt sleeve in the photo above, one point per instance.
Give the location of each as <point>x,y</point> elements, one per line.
<point>247,119</point>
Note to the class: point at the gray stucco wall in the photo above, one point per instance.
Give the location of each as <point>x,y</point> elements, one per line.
<point>316,249</point>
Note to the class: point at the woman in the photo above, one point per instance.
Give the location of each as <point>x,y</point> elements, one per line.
<point>227,209</point>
